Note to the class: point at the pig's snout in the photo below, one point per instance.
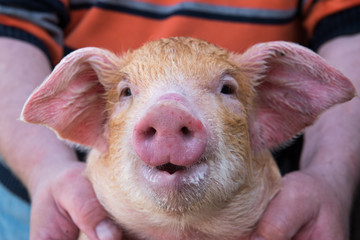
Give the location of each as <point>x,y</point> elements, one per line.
<point>169,135</point>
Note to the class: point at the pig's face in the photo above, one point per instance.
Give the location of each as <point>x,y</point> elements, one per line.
<point>179,129</point>
<point>178,132</point>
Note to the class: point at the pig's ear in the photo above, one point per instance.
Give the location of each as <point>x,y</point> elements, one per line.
<point>71,101</point>
<point>293,86</point>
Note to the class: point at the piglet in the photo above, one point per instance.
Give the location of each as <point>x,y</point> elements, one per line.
<point>180,129</point>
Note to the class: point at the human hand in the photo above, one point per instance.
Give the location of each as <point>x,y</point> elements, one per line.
<point>307,207</point>
<point>65,201</point>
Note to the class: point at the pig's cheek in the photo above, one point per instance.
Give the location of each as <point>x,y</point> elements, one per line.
<point>122,106</point>
<point>120,136</point>
<point>232,105</point>
<point>234,146</point>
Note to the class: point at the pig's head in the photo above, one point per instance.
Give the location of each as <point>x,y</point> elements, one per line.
<point>180,128</point>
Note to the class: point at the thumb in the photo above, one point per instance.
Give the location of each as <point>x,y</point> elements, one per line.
<point>81,204</point>
<point>287,213</point>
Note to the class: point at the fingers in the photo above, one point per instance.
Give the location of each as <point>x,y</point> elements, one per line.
<point>47,222</point>
<point>106,230</point>
<point>66,202</point>
<point>289,212</point>
<point>77,201</point>
<point>306,208</point>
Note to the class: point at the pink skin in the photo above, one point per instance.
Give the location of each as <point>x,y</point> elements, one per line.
<point>167,129</point>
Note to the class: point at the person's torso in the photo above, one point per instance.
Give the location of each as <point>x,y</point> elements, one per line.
<point>235,25</point>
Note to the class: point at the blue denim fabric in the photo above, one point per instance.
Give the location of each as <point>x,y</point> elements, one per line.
<point>14,216</point>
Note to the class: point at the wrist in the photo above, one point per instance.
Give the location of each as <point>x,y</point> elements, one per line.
<point>339,179</point>
<point>48,167</point>
<point>332,148</point>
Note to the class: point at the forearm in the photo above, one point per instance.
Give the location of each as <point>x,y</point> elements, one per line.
<point>332,144</point>
<point>29,150</point>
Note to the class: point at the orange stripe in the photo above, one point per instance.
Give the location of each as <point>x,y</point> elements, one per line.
<point>123,32</point>
<point>75,17</point>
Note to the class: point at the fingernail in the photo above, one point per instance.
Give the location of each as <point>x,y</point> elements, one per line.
<point>257,237</point>
<point>106,230</point>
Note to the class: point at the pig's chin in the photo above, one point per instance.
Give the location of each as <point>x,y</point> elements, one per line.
<point>174,186</point>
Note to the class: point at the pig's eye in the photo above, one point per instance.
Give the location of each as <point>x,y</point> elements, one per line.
<point>126,92</point>
<point>227,89</point>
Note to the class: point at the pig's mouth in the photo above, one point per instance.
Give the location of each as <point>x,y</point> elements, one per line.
<point>172,177</point>
<point>175,187</point>
<point>171,168</point>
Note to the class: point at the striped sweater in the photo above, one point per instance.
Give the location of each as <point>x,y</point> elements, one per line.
<point>60,26</point>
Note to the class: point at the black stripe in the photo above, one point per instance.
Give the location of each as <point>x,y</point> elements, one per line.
<point>8,179</point>
<point>50,6</point>
<point>80,6</point>
<point>186,12</point>
<point>196,14</point>
<point>68,50</point>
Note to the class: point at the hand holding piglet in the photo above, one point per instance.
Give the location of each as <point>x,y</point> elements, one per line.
<point>180,129</point>
<point>329,170</point>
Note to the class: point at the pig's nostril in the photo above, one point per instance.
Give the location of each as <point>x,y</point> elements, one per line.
<point>186,132</point>
<point>150,132</point>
